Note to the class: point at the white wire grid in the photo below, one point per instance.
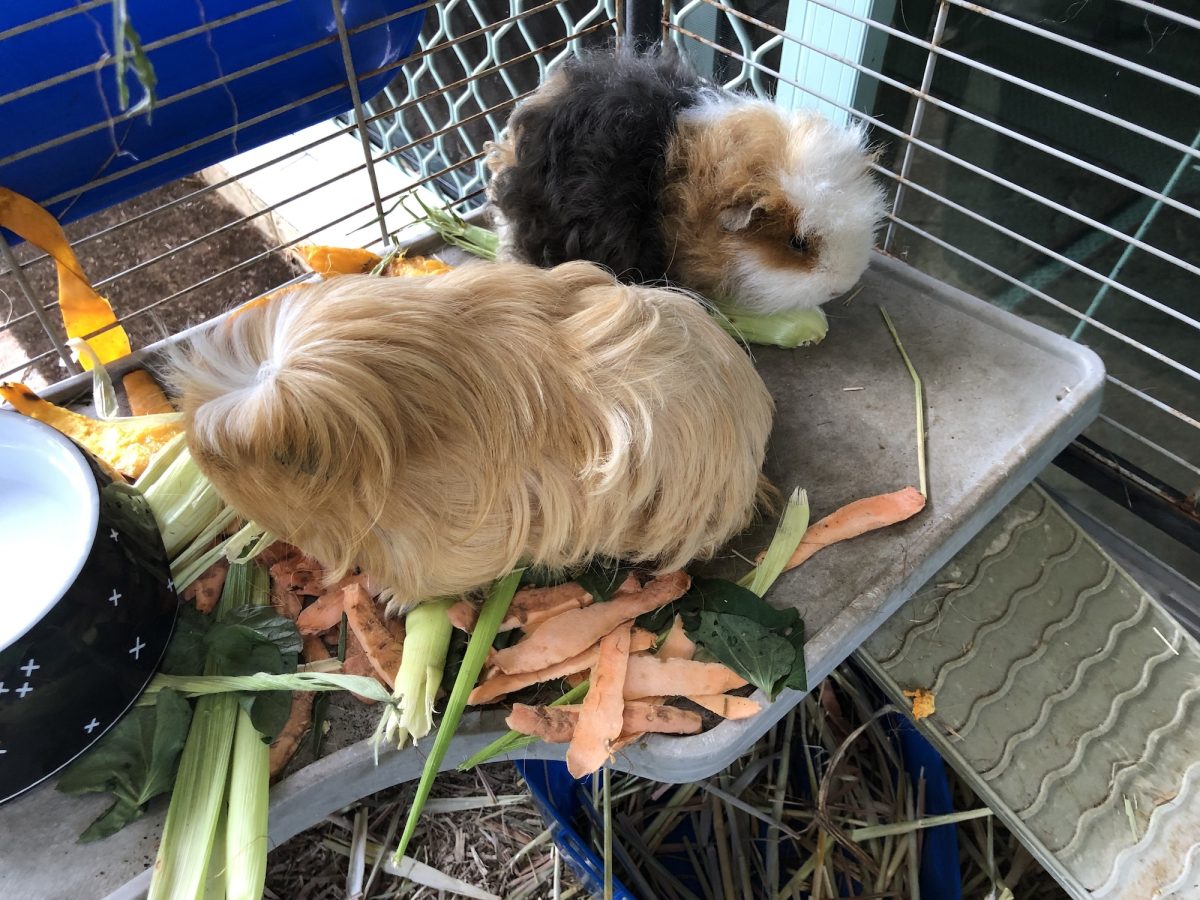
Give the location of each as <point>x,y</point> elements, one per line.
<point>1147,327</point>
<point>1081,267</point>
<point>453,123</point>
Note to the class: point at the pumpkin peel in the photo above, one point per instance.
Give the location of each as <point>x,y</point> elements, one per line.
<point>83,310</point>
<point>125,444</point>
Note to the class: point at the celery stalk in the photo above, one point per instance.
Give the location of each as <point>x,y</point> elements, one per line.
<point>196,800</point>
<point>249,783</point>
<point>488,623</point>
<point>199,794</point>
<point>202,542</point>
<point>202,685</point>
<point>161,461</point>
<point>792,328</point>
<point>246,828</point>
<point>214,884</point>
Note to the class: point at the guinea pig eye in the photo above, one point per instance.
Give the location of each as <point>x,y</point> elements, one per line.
<point>799,244</point>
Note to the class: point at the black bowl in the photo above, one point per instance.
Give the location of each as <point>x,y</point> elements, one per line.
<point>88,604</point>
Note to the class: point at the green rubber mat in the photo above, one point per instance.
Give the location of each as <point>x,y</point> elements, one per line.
<point>1065,696</point>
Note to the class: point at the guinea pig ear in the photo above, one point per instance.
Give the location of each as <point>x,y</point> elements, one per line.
<point>740,217</point>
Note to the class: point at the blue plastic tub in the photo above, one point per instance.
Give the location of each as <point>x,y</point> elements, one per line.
<point>187,131</point>
<point>561,799</point>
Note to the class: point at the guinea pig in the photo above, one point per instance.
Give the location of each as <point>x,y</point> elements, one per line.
<point>633,162</point>
<point>436,432</point>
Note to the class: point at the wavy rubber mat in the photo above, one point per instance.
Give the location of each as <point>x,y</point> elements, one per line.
<point>1066,696</point>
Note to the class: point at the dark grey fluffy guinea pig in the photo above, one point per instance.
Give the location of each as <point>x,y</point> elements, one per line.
<point>632,161</point>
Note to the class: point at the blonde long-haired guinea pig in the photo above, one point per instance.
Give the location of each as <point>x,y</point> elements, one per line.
<point>438,431</point>
<point>633,162</point>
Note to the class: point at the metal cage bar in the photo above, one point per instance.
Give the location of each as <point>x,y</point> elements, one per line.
<point>365,117</point>
<point>1127,235</point>
<point>476,60</point>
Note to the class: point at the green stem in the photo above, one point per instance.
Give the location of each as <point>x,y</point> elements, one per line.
<point>488,623</point>
<point>919,391</point>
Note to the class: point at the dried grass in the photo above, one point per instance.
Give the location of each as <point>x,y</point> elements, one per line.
<point>480,828</point>
<point>786,820</point>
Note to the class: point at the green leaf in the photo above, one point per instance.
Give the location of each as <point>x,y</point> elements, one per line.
<point>238,650</point>
<point>278,630</point>
<point>541,576</point>
<point>112,820</point>
<point>601,578</point>
<point>185,650</point>
<point>269,711</point>
<point>761,657</point>
<point>718,616</point>
<point>798,679</point>
<point>135,762</point>
<point>455,655</point>
<point>659,620</point>
<point>252,639</point>
<point>720,596</point>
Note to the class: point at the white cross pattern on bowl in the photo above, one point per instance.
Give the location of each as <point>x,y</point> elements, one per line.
<point>30,667</point>
<point>92,725</point>
<point>23,690</point>
<point>115,598</point>
<point>112,534</point>
<point>137,648</point>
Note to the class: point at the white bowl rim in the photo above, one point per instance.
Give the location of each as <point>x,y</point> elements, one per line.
<point>71,457</point>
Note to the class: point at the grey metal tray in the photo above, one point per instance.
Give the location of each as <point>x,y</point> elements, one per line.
<point>1003,398</point>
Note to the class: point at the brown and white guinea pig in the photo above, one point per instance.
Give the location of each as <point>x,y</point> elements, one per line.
<point>633,162</point>
<point>438,431</point>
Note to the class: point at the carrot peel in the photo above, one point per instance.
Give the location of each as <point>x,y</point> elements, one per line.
<point>572,632</point>
<point>382,649</point>
<point>857,518</point>
<point>601,718</point>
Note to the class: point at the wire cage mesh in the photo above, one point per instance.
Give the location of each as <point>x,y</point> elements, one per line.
<point>476,61</point>
<point>1044,156</point>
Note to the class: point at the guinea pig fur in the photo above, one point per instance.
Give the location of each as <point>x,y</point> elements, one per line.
<point>436,432</point>
<point>633,162</point>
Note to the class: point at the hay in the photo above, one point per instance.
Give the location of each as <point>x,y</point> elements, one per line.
<point>813,810</point>
<point>480,828</point>
<point>806,821</point>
